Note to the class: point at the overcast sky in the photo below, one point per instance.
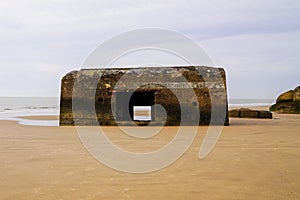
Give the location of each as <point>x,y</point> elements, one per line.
<point>257,42</point>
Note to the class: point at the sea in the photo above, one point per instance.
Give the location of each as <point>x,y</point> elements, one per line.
<point>11,108</point>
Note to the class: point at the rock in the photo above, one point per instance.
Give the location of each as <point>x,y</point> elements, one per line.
<point>287,96</point>
<point>292,107</point>
<point>248,113</point>
<point>288,102</point>
<point>296,96</point>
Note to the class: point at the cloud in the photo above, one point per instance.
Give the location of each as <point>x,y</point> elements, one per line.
<point>208,18</point>
<point>258,65</point>
<point>59,35</point>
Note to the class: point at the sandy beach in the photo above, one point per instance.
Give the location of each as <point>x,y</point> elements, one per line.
<point>149,72</point>
<point>253,159</point>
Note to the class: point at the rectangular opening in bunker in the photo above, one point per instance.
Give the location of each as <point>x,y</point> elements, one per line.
<point>142,113</point>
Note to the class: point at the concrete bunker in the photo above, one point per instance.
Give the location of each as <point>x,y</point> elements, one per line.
<point>106,98</point>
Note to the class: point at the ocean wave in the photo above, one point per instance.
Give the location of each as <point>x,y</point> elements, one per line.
<point>33,110</point>
<point>249,104</point>
<point>40,107</point>
<point>5,109</point>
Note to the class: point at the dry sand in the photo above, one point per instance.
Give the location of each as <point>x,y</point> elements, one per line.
<point>253,159</point>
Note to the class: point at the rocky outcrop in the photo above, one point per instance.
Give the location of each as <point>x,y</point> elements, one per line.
<point>288,102</point>
<point>248,113</point>
<point>287,96</point>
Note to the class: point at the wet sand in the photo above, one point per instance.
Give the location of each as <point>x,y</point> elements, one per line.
<point>253,159</point>
<point>52,117</point>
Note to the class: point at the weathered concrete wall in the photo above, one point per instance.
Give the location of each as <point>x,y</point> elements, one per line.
<point>249,113</point>
<point>99,88</point>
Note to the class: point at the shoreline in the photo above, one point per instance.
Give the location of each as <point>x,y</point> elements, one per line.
<point>56,117</point>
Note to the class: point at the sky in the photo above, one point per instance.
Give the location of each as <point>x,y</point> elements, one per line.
<point>257,42</point>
